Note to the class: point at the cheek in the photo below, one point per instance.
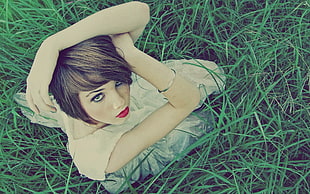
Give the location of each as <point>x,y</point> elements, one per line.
<point>93,110</point>
<point>125,92</point>
<point>98,111</point>
<point>102,111</point>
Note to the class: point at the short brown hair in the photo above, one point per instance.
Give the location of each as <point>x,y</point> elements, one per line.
<point>84,67</point>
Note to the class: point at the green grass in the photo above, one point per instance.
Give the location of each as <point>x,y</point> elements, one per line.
<point>261,140</point>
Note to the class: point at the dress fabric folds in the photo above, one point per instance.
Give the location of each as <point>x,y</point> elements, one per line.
<point>91,153</point>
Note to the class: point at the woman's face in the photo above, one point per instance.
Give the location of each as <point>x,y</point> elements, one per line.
<point>108,104</point>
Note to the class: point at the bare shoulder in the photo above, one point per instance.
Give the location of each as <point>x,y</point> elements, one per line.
<point>82,129</point>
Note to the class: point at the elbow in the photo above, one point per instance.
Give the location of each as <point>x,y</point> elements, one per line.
<point>192,100</point>
<point>195,99</point>
<point>143,9</point>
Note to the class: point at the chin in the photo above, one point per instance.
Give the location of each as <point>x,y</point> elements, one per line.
<point>121,121</point>
<point>116,121</point>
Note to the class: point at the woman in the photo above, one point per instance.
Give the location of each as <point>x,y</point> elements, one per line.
<point>116,127</point>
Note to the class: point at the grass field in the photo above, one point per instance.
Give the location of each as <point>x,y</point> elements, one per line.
<point>261,141</point>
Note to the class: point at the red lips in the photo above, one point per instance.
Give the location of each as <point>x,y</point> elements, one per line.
<point>124,113</point>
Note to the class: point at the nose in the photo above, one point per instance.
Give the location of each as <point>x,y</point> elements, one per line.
<point>117,100</point>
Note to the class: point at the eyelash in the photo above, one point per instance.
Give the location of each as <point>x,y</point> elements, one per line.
<point>101,95</point>
<point>117,84</point>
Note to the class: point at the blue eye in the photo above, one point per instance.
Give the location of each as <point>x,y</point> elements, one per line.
<point>117,84</point>
<point>97,98</point>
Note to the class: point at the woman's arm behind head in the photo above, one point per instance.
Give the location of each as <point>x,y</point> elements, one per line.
<point>85,67</point>
<point>129,17</point>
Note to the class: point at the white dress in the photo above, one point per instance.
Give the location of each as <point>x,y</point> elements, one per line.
<point>91,153</point>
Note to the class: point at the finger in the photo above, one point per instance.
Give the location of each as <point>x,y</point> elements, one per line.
<point>37,102</point>
<point>30,102</point>
<point>46,99</point>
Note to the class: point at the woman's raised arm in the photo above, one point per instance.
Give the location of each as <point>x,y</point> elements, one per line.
<point>182,97</point>
<point>130,17</point>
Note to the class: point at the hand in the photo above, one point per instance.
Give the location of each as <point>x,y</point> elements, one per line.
<point>40,77</point>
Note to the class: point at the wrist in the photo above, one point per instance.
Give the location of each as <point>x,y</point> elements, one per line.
<point>129,53</point>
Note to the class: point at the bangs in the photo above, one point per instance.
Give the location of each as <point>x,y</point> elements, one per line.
<point>79,81</point>
<point>84,67</point>
<point>82,81</point>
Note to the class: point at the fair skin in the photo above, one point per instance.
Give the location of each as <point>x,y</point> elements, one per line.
<point>126,18</point>
<point>124,23</point>
<point>105,103</point>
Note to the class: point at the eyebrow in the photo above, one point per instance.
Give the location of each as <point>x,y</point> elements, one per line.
<point>94,91</point>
